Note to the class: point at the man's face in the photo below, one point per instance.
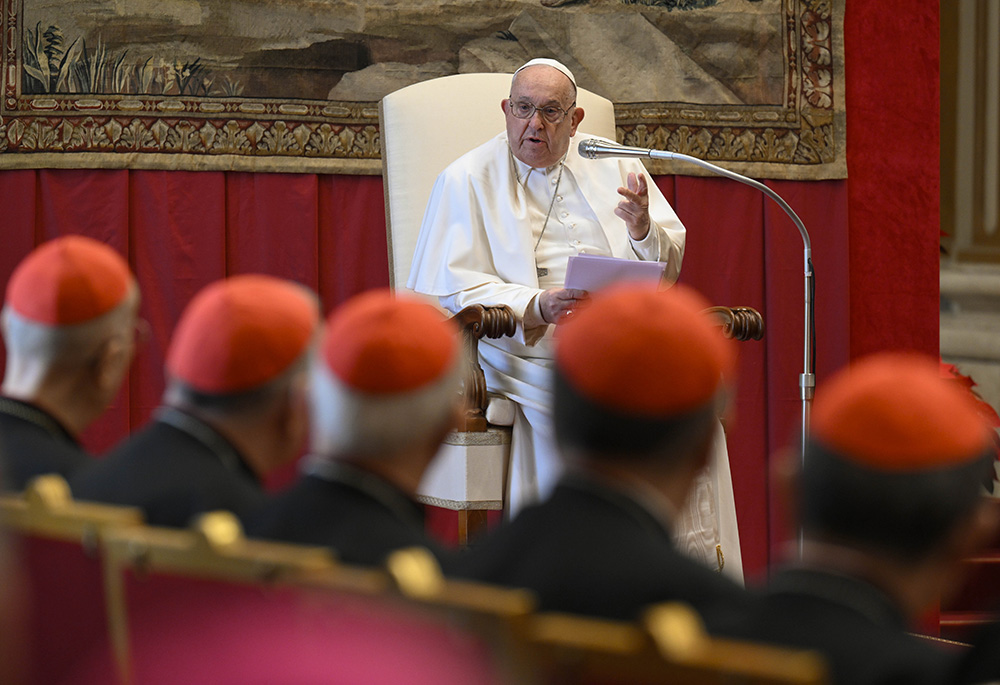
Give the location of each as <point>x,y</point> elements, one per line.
<point>535,141</point>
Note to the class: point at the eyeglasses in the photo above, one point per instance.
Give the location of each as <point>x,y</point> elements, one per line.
<point>523,109</point>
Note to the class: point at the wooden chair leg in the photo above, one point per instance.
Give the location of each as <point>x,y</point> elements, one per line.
<point>472,524</point>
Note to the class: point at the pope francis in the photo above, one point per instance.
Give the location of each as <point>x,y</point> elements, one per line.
<point>499,227</point>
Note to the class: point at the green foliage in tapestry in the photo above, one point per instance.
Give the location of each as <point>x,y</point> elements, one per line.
<point>50,67</point>
<point>46,63</point>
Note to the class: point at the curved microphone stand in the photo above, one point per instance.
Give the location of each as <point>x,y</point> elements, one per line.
<point>594,148</point>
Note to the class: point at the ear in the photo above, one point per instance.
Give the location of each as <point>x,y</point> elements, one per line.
<point>452,421</point>
<point>968,538</point>
<point>979,531</point>
<point>293,414</point>
<point>503,105</point>
<point>109,367</point>
<point>575,120</point>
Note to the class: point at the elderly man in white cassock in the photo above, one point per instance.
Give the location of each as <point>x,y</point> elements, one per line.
<point>500,225</point>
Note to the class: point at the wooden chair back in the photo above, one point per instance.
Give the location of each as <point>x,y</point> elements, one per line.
<point>59,574</point>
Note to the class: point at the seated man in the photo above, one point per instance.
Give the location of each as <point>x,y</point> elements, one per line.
<point>499,227</point>
<point>385,393</point>
<point>234,408</point>
<point>635,437</point>
<point>889,502</point>
<point>69,328</point>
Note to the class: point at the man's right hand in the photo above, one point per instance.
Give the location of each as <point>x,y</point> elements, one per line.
<point>558,303</point>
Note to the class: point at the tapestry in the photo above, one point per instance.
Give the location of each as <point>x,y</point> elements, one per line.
<point>293,85</point>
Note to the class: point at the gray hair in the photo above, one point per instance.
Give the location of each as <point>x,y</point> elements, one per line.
<point>55,346</point>
<point>348,422</point>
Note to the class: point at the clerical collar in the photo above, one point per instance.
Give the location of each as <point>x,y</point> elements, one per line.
<point>522,171</point>
<point>207,436</point>
<point>26,411</point>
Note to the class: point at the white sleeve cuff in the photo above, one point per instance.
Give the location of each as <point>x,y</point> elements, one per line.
<point>647,249</point>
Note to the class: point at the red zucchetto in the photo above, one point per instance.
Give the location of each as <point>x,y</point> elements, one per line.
<point>241,332</point>
<point>67,281</point>
<point>652,354</point>
<point>382,343</point>
<point>893,412</point>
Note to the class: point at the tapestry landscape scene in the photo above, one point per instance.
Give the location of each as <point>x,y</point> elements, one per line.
<point>241,84</point>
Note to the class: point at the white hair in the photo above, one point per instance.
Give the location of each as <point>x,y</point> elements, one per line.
<point>51,346</point>
<point>348,422</point>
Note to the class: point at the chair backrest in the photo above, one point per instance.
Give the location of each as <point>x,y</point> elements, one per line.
<point>158,579</point>
<point>208,605</point>
<point>669,646</point>
<point>498,615</point>
<point>60,573</point>
<point>426,126</point>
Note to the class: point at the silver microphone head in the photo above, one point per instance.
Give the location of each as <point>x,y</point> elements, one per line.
<point>594,148</point>
<point>589,148</point>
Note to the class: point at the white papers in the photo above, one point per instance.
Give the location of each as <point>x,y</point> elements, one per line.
<point>593,272</point>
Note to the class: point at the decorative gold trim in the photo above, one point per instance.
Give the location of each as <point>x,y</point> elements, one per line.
<point>489,437</point>
<point>454,505</point>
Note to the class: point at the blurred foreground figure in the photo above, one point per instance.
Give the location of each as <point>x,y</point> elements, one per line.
<point>385,393</point>
<point>69,329</point>
<point>234,409</point>
<point>889,501</point>
<point>639,380</point>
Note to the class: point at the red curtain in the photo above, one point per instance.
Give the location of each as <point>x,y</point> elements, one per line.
<point>182,230</point>
<point>875,246</point>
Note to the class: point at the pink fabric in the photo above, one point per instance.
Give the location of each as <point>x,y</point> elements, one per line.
<point>219,633</point>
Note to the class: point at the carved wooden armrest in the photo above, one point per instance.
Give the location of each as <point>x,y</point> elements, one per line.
<point>477,322</point>
<point>739,323</point>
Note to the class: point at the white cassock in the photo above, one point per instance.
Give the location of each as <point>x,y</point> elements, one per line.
<point>482,242</point>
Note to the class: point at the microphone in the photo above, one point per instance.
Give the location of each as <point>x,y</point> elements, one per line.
<point>595,149</point>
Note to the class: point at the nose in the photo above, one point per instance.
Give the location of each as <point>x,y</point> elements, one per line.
<point>541,120</point>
